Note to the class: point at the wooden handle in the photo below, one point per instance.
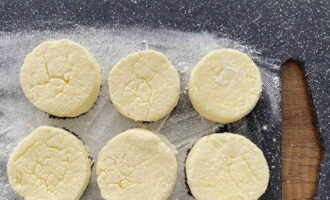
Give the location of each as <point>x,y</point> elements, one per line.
<point>301,152</point>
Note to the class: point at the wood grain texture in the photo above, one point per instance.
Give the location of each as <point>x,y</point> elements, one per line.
<point>301,152</point>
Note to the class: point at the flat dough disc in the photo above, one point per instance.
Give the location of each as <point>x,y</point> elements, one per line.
<point>226,167</point>
<point>138,165</point>
<point>144,86</point>
<point>225,85</point>
<point>49,164</point>
<point>61,78</point>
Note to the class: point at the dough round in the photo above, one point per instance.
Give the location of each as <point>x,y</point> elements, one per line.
<point>49,164</point>
<point>226,166</point>
<point>225,86</point>
<point>61,78</point>
<point>138,165</point>
<point>144,86</point>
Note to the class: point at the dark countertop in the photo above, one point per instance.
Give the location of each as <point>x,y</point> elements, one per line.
<point>280,30</point>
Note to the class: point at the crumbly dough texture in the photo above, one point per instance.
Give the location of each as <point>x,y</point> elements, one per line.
<point>226,167</point>
<point>49,164</point>
<point>225,85</point>
<point>137,165</point>
<point>144,86</point>
<point>61,78</point>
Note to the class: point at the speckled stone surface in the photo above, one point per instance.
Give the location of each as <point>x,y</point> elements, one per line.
<point>281,30</point>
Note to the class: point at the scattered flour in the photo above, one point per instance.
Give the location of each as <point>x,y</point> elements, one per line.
<point>182,127</point>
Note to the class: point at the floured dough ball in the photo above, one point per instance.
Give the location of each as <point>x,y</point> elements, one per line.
<point>225,85</point>
<point>144,86</point>
<point>49,164</point>
<point>138,165</point>
<point>227,167</point>
<point>61,78</point>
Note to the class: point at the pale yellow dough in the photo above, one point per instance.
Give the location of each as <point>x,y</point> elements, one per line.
<point>225,85</point>
<point>226,167</point>
<point>61,78</point>
<point>49,164</point>
<point>137,165</point>
<point>144,86</point>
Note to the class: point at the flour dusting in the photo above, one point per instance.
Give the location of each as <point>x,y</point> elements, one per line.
<point>181,128</point>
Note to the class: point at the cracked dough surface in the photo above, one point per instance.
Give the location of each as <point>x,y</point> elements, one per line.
<point>61,78</point>
<point>49,164</point>
<point>137,165</point>
<point>226,166</point>
<point>144,86</point>
<point>225,85</point>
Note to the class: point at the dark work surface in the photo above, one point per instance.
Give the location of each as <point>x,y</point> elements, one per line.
<point>282,31</point>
